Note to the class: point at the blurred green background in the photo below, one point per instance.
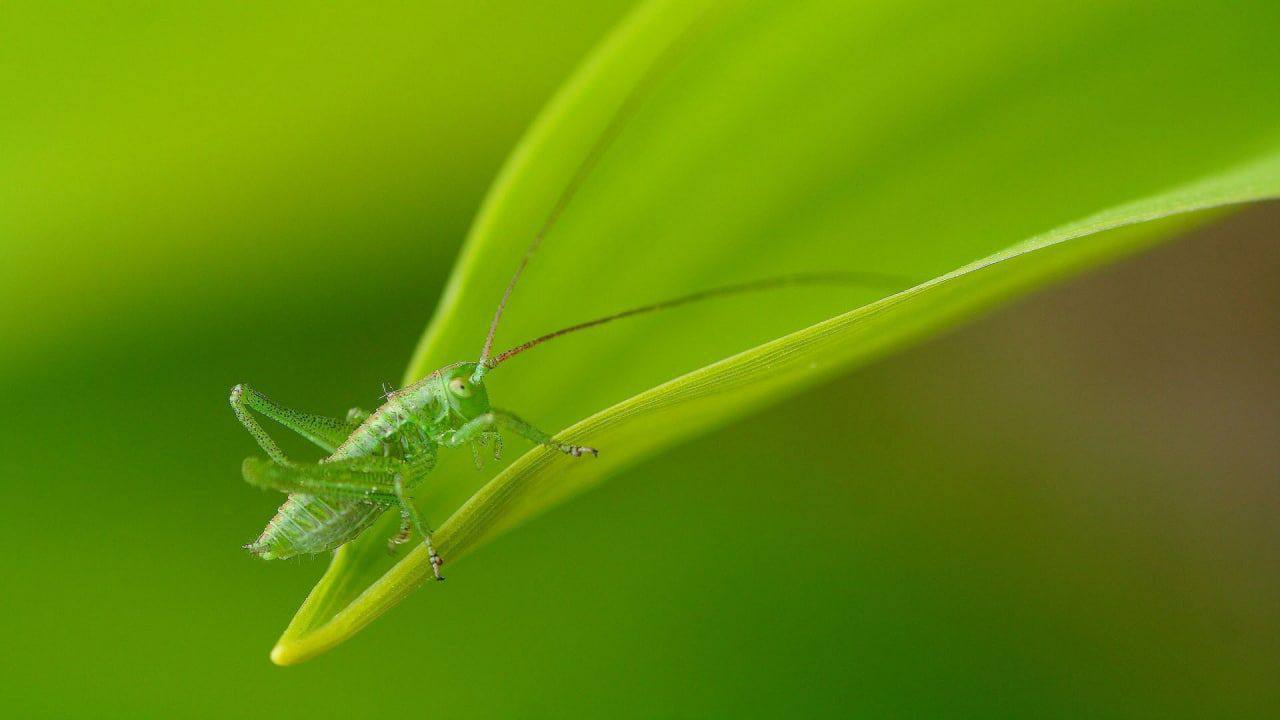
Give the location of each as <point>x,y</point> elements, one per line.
<point>1067,509</point>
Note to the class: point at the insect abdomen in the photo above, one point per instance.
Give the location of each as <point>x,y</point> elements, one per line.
<point>308,524</point>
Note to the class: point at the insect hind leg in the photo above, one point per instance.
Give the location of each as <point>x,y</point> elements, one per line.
<point>324,431</point>
<point>357,479</point>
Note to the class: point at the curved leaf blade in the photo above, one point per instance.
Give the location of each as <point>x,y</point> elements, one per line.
<point>695,126</point>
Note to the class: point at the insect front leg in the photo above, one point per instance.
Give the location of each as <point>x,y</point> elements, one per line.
<point>486,437</point>
<point>533,434</point>
<point>497,446</point>
<point>470,430</point>
<point>482,440</point>
<point>326,432</point>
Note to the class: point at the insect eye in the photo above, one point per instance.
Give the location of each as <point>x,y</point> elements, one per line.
<point>460,387</point>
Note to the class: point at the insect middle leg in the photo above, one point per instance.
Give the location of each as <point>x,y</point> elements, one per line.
<point>403,534</point>
<point>408,508</point>
<point>407,474</point>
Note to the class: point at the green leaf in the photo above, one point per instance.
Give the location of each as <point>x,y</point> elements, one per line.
<point>989,148</point>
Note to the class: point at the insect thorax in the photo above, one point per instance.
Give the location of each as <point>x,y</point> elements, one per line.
<point>406,424</point>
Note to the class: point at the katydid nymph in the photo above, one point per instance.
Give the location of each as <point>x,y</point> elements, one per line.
<point>376,459</point>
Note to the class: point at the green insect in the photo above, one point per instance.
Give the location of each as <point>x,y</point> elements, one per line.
<point>377,459</point>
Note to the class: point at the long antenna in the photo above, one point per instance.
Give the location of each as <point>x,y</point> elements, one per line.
<point>860,279</point>
<point>628,108</point>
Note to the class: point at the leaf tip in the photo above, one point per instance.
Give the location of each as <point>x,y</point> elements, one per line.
<point>282,655</point>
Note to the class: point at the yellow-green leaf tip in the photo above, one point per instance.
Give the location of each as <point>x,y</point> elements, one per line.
<point>281,656</point>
